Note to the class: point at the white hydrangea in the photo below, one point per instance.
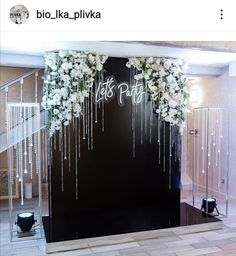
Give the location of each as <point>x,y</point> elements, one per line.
<point>69,75</point>
<point>167,85</point>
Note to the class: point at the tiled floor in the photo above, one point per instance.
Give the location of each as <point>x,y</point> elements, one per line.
<point>171,242</point>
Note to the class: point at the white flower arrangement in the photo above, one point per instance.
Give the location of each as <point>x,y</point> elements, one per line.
<point>167,84</point>
<point>69,77</point>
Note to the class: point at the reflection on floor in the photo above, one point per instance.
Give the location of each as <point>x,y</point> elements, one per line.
<point>171,242</point>
<point>124,221</point>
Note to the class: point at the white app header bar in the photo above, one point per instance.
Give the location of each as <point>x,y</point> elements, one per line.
<point>121,20</point>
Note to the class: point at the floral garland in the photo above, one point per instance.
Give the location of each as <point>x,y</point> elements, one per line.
<point>166,82</point>
<point>69,77</point>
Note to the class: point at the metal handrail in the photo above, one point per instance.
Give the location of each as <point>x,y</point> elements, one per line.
<point>18,78</point>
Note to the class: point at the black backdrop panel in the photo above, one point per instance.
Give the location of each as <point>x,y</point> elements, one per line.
<point>115,189</point>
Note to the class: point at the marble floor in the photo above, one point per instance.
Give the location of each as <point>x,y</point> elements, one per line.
<point>180,241</point>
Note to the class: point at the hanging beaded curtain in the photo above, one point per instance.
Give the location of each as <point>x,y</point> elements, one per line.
<point>23,139</point>
<point>210,154</point>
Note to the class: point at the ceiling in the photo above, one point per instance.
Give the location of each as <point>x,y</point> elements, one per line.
<point>202,58</point>
<point>226,46</point>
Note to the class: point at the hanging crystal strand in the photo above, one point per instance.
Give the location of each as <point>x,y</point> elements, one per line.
<point>150,121</point>
<point>21,160</point>
<point>18,145</point>
<point>197,141</point>
<point>208,153</point>
<point>36,87</point>
<point>214,128</point>
<point>96,105</point>
<point>76,161</point>
<point>79,137</point>
<point>203,140</point>
<point>43,153</point>
<point>141,122</point>
<point>35,145</point>
<point>25,140</point>
<point>49,144</point>
<point>11,147</point>
<point>133,128</point>
<point>91,118</point>
<point>213,149</point>
<point>8,165</point>
<point>21,179</point>
<point>54,137</point>
<point>164,146</point>
<point>65,143</point>
<point>21,89</point>
<point>14,138</point>
<point>44,148</point>
<point>103,115</point>
<point>17,161</point>
<point>220,138</point>
<point>170,157</point>
<point>209,142</point>
<point>86,116</point>
<point>194,187</point>
<point>14,126</point>
<point>217,144</point>
<point>31,146</point>
<point>69,156</point>
<point>30,135</point>
<point>103,107</point>
<point>62,158</point>
<point>133,114</point>
<point>50,152</point>
<point>145,108</point>
<point>216,137</point>
<point>83,120</point>
<point>88,120</point>
<point>46,152</point>
<point>141,115</point>
<point>159,139</point>
<point>99,81</point>
<point>73,124</point>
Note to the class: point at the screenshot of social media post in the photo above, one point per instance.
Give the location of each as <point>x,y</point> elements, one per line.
<point>117,128</point>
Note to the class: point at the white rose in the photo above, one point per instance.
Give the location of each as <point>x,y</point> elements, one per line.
<point>55,111</point>
<point>99,67</point>
<point>81,99</point>
<point>62,53</point>
<point>68,116</point>
<point>162,72</point>
<point>85,93</point>
<point>54,68</point>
